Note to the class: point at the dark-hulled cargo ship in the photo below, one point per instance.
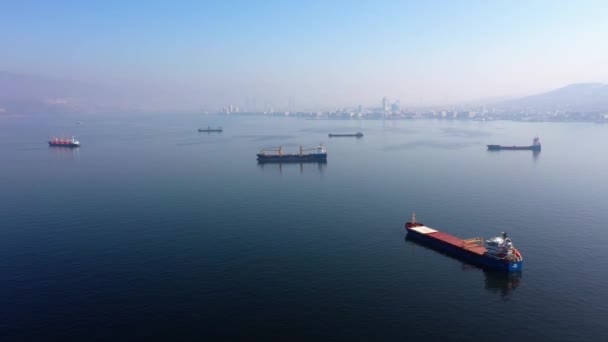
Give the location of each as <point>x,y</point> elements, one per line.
<point>497,254</point>
<point>319,155</point>
<point>534,147</point>
<point>209,129</point>
<point>337,135</point>
<point>64,142</point>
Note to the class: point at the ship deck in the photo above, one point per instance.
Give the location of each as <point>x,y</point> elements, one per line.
<point>472,245</point>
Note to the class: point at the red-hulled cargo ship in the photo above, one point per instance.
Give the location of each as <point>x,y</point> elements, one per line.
<point>64,142</point>
<point>498,252</point>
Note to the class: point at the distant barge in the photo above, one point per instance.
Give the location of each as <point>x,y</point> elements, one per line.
<point>209,129</point>
<point>64,142</point>
<point>319,155</point>
<point>358,135</point>
<point>534,147</point>
<point>498,252</point>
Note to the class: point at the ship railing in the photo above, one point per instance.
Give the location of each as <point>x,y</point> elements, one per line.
<point>511,257</point>
<point>517,255</point>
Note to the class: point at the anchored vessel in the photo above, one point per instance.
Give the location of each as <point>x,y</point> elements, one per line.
<point>64,142</point>
<point>498,252</point>
<point>209,129</point>
<point>534,147</point>
<point>319,155</point>
<point>358,135</point>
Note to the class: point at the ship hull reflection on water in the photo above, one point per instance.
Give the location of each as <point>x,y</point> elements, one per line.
<point>320,165</point>
<point>502,283</point>
<point>495,281</point>
<point>535,153</point>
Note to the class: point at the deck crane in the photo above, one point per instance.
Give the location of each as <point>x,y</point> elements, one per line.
<point>319,149</point>
<point>280,150</point>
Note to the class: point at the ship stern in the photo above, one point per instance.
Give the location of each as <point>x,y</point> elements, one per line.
<point>516,266</point>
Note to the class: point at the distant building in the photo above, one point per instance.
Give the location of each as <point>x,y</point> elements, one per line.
<point>395,107</point>
<point>462,115</point>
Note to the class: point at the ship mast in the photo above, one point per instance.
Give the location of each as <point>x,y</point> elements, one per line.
<point>413,220</point>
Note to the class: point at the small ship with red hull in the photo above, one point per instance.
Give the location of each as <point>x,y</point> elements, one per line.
<point>64,142</point>
<point>498,252</point>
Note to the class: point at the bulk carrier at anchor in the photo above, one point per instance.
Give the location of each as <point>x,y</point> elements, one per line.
<point>319,155</point>
<point>498,252</point>
<point>339,135</point>
<point>534,147</point>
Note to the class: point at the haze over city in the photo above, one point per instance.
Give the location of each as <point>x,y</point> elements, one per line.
<point>312,55</point>
<point>332,170</point>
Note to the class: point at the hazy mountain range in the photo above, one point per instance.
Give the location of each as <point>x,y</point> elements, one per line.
<point>33,95</point>
<point>580,97</point>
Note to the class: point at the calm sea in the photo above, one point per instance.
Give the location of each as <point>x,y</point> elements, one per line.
<point>153,230</point>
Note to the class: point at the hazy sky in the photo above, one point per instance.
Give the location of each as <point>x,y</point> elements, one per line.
<point>186,54</point>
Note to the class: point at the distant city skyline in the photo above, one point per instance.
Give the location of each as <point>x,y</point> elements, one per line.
<point>301,56</point>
